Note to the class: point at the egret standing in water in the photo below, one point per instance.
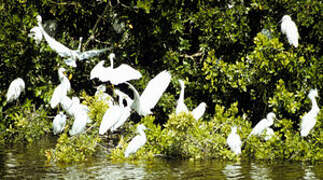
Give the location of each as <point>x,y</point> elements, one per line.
<point>151,95</point>
<point>59,123</point>
<point>117,75</point>
<point>289,28</point>
<point>309,119</point>
<point>16,87</point>
<point>263,124</point>
<point>137,142</point>
<point>234,141</point>
<point>64,51</point>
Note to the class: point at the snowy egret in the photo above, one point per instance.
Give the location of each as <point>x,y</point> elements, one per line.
<point>80,119</point>
<point>64,51</point>
<point>263,124</point>
<point>289,28</point>
<point>36,34</point>
<point>181,107</point>
<point>63,79</point>
<point>61,90</point>
<point>234,141</point>
<point>309,119</point>
<point>152,93</point>
<point>59,123</point>
<point>137,142</point>
<point>117,75</point>
<point>16,87</point>
<point>199,111</point>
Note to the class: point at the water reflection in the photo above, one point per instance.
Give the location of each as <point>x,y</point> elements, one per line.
<point>20,162</point>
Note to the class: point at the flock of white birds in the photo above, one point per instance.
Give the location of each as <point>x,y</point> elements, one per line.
<point>117,114</point>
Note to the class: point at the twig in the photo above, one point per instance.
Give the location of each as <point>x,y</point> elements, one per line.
<point>192,56</point>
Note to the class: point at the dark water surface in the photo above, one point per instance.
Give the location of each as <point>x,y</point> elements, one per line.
<point>29,162</point>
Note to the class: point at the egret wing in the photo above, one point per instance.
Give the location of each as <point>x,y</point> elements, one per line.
<point>122,74</point>
<point>90,53</point>
<point>110,117</point>
<point>155,89</point>
<point>199,111</point>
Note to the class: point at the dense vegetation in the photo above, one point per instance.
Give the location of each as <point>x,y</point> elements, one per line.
<point>220,52</point>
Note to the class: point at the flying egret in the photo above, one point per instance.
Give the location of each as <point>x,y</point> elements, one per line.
<point>137,142</point>
<point>117,75</point>
<point>152,93</point>
<point>234,141</point>
<point>64,51</point>
<point>181,107</point>
<point>289,28</point>
<point>309,119</point>
<point>59,123</point>
<point>36,34</point>
<point>199,111</point>
<point>16,87</point>
<point>263,124</point>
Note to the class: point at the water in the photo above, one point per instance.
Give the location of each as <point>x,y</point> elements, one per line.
<point>21,162</point>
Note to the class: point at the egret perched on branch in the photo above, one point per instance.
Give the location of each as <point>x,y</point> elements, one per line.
<point>59,123</point>
<point>137,142</point>
<point>181,107</point>
<point>61,90</point>
<point>64,51</point>
<point>36,34</point>
<point>16,87</point>
<point>234,141</point>
<point>151,95</point>
<point>309,119</point>
<point>263,124</point>
<point>80,119</point>
<point>117,75</point>
<point>289,28</point>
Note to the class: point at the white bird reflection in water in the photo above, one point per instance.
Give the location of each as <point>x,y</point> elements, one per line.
<point>309,174</point>
<point>259,172</point>
<point>233,172</point>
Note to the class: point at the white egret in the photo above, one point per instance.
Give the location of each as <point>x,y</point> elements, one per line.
<point>64,51</point>
<point>125,112</point>
<point>59,123</point>
<point>36,34</point>
<point>110,117</point>
<point>77,107</point>
<point>137,142</point>
<point>152,93</point>
<point>16,87</point>
<point>263,124</point>
<point>61,90</point>
<point>199,111</point>
<point>117,75</point>
<point>234,141</point>
<point>269,133</point>
<point>66,104</point>
<point>181,107</point>
<point>80,119</point>
<point>289,28</point>
<point>309,119</point>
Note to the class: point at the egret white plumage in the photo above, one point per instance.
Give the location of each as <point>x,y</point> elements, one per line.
<point>59,123</point>
<point>64,51</point>
<point>263,124</point>
<point>61,90</point>
<point>151,95</point>
<point>234,141</point>
<point>80,119</point>
<point>36,34</point>
<point>117,75</point>
<point>181,107</point>
<point>269,133</point>
<point>16,87</point>
<point>199,111</point>
<point>137,142</point>
<point>63,79</point>
<point>110,117</point>
<point>289,28</point>
<point>309,119</point>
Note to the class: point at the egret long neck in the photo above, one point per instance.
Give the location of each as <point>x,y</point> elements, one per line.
<point>181,96</point>
<point>315,107</point>
<point>111,62</point>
